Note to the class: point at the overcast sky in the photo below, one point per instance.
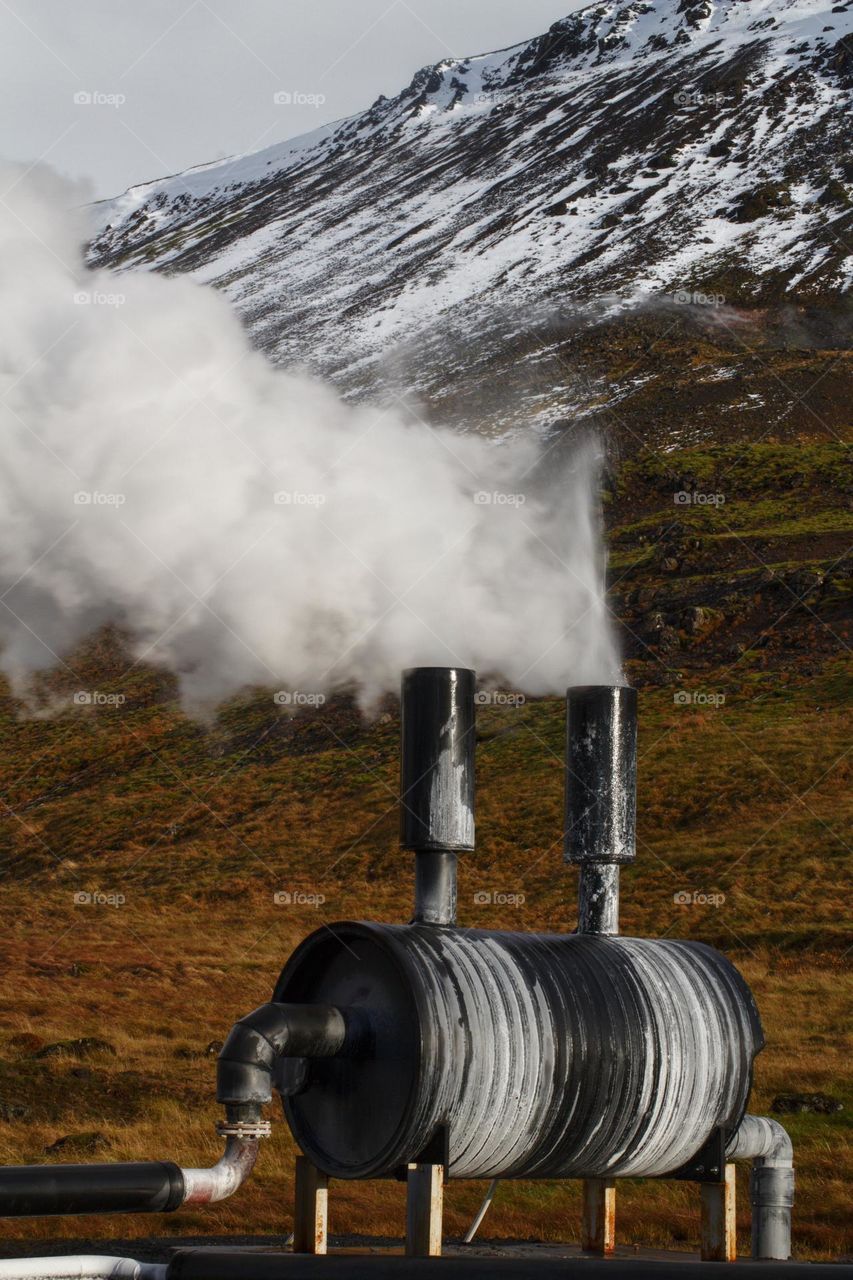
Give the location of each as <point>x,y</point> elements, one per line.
<point>179,82</point>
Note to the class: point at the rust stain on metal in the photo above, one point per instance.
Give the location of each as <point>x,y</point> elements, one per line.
<point>719,1241</point>
<point>599,1216</point>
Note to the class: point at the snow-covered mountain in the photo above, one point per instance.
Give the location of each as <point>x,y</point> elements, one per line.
<point>635,150</point>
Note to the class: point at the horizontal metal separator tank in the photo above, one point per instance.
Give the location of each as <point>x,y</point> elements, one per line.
<point>542,1055</point>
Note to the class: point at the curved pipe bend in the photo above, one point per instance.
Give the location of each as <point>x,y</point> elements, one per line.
<point>771,1183</point>
<point>207,1186</point>
<point>245,1065</point>
<point>762,1139</point>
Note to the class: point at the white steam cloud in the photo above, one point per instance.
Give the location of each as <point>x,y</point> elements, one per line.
<point>243,524</point>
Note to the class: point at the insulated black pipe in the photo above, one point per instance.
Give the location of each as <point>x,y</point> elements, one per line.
<point>437,782</point>
<point>601,797</point>
<point>236,1264</point>
<point>46,1190</point>
<point>245,1064</point>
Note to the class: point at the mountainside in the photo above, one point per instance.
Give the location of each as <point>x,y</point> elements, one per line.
<point>677,162</point>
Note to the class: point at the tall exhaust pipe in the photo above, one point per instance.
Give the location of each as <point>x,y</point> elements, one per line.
<point>601,797</point>
<point>437,783</point>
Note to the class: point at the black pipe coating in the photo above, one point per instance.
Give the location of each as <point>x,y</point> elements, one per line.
<point>601,774</point>
<point>437,766</point>
<point>235,1264</point>
<point>28,1191</point>
<point>245,1064</point>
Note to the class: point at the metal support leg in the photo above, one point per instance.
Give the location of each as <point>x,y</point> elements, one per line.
<point>599,1216</point>
<point>719,1243</point>
<point>424,1207</point>
<point>311,1209</point>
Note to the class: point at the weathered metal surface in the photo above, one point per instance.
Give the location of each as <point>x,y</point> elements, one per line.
<point>207,1186</point>
<point>424,1210</point>
<point>598,1228</point>
<point>435,887</point>
<point>437,767</point>
<point>601,773</point>
<point>598,898</point>
<point>771,1183</point>
<point>546,1055</point>
<point>310,1208</point>
<point>719,1240</point>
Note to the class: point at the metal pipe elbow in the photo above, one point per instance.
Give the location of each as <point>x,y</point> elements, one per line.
<point>763,1140</point>
<point>245,1065</point>
<point>206,1186</point>
<point>771,1183</point>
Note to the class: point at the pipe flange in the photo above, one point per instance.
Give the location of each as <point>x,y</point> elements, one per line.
<point>246,1129</point>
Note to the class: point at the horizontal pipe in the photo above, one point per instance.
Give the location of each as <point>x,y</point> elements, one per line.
<point>86,1266</point>
<point>236,1264</point>
<point>28,1191</point>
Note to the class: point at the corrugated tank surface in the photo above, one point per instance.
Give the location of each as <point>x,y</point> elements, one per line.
<point>545,1055</point>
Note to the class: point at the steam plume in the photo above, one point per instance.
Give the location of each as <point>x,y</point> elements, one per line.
<point>243,524</point>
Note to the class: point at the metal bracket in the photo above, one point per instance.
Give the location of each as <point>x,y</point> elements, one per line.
<point>709,1163</point>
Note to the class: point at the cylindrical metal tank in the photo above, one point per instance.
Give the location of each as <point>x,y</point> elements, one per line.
<point>544,1056</point>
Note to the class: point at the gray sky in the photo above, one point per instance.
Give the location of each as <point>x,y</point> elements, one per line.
<point>179,82</point>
